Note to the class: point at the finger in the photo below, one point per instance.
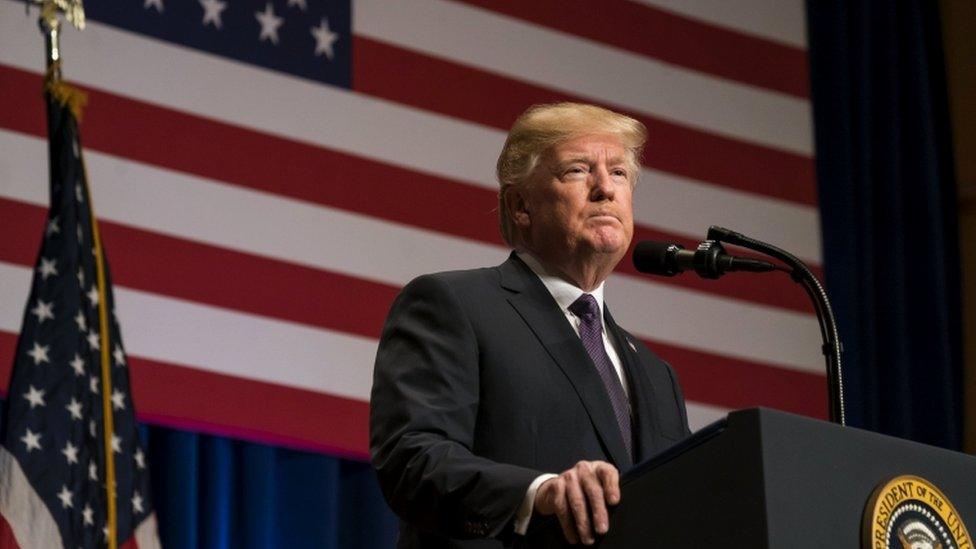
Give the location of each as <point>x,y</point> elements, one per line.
<point>593,488</point>
<point>610,478</point>
<point>579,509</point>
<point>560,507</point>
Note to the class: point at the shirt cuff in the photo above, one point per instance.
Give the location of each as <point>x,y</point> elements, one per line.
<point>524,514</point>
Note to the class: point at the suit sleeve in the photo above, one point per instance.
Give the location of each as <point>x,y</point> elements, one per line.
<point>423,414</point>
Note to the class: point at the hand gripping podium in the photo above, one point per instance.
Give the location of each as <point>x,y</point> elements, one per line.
<point>768,479</point>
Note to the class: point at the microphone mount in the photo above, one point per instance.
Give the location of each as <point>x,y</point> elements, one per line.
<point>710,261</point>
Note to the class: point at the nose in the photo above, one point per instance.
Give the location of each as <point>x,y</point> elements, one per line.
<point>603,187</point>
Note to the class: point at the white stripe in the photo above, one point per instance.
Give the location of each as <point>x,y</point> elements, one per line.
<point>687,318</point>
<point>582,67</point>
<point>700,415</point>
<point>379,130</point>
<point>105,57</point>
<point>778,20</point>
<point>147,534</point>
<point>181,205</point>
<point>29,518</point>
<point>409,138</point>
<point>227,342</point>
<point>687,207</point>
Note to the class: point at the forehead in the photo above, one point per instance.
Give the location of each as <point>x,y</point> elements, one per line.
<point>590,147</point>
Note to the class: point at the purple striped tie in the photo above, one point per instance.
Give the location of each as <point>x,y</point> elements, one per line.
<point>591,333</point>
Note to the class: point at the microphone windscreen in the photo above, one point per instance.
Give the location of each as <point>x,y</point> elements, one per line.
<point>656,258</point>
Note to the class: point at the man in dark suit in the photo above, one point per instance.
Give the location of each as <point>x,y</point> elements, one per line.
<point>506,394</point>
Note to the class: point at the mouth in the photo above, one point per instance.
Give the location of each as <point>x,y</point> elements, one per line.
<point>604,217</point>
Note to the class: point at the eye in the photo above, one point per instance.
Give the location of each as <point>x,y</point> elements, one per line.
<point>573,172</point>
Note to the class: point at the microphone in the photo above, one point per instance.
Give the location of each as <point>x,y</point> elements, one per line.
<point>709,260</point>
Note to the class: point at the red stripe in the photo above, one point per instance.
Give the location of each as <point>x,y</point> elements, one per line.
<point>297,172</point>
<point>187,398</point>
<point>7,539</point>
<point>669,37</point>
<point>732,383</point>
<point>418,80</point>
<point>183,269</point>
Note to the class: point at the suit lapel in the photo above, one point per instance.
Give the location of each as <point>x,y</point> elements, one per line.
<point>642,393</point>
<point>535,305</point>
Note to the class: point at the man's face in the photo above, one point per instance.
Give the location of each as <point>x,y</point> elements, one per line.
<point>578,201</point>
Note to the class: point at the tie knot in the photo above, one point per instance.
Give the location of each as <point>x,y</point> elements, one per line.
<point>585,307</point>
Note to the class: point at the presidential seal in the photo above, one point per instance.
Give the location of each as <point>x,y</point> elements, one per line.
<point>909,512</point>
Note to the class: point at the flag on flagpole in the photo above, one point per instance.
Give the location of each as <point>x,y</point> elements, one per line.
<point>69,369</point>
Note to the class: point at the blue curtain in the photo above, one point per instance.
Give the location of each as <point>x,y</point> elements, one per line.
<point>887,197</point>
<point>213,492</point>
<point>217,493</point>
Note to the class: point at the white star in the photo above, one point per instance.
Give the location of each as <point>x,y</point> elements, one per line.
<point>158,4</point>
<point>118,400</point>
<point>74,408</point>
<point>52,226</point>
<point>47,268</point>
<point>93,296</point>
<point>92,471</point>
<point>116,443</point>
<point>32,440</point>
<point>105,531</point>
<point>80,321</point>
<point>91,426</point>
<point>78,194</point>
<point>78,365</point>
<point>79,233</point>
<point>137,502</point>
<point>324,39</point>
<point>300,3</point>
<point>43,311</point>
<point>35,397</point>
<point>93,340</point>
<point>81,277</point>
<point>119,355</point>
<point>211,12</point>
<point>93,384</point>
<point>88,513</point>
<point>65,496</point>
<point>70,452</point>
<point>269,23</point>
<point>140,459</point>
<point>39,353</point>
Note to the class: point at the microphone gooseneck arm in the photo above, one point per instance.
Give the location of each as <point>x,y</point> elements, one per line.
<point>801,274</point>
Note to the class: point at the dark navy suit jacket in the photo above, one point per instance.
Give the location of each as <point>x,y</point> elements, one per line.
<point>480,386</point>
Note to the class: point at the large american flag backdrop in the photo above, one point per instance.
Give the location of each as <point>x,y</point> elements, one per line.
<point>268,174</point>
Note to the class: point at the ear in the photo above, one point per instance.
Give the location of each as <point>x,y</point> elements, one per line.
<point>518,208</point>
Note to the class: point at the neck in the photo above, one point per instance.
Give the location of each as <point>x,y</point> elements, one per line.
<point>585,273</point>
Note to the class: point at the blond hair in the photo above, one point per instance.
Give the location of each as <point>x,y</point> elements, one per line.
<point>543,126</point>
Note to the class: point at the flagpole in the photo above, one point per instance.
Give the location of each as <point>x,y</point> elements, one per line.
<point>50,25</point>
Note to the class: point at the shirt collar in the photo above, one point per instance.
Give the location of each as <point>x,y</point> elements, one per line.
<point>565,293</point>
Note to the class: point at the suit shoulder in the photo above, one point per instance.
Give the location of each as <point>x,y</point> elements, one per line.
<point>459,282</point>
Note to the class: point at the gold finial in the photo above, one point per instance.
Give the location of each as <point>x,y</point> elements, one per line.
<point>73,11</point>
<point>51,27</point>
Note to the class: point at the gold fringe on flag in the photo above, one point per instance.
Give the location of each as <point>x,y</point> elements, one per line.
<point>65,94</point>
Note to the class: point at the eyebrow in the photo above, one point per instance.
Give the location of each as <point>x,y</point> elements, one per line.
<point>586,160</point>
